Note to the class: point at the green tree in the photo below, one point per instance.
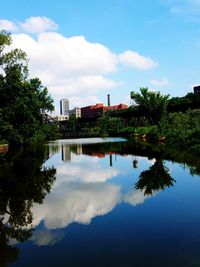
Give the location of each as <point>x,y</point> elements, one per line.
<point>108,124</point>
<point>153,105</point>
<point>23,101</point>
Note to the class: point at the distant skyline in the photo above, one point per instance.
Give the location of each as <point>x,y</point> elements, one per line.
<point>83,50</point>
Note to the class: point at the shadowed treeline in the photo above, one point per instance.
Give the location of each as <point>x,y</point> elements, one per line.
<point>144,149</point>
<point>23,181</point>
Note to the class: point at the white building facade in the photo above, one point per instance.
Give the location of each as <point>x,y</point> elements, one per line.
<point>76,112</point>
<point>64,107</point>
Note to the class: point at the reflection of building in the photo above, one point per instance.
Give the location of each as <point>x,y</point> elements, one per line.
<point>99,109</point>
<point>111,161</point>
<point>64,107</point>
<point>79,149</point>
<point>66,153</point>
<point>76,112</point>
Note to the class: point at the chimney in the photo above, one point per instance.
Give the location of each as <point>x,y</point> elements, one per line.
<point>108,100</point>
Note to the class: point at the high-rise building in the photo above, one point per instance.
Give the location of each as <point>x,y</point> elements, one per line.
<point>64,107</point>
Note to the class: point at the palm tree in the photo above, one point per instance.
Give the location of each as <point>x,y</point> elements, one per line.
<point>151,104</point>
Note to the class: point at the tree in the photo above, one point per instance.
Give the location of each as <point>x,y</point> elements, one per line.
<point>153,105</point>
<point>23,101</point>
<point>108,124</point>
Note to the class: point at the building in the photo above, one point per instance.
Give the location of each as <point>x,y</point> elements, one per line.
<point>64,107</point>
<point>61,117</point>
<point>196,89</point>
<point>76,112</point>
<point>99,109</point>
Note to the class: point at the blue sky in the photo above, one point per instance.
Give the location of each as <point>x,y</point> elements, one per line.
<point>83,50</point>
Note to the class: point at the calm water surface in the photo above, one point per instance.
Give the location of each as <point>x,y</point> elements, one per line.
<point>92,202</point>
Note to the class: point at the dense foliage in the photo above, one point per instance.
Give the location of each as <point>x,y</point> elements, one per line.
<point>182,129</point>
<point>151,104</point>
<point>190,101</point>
<point>23,101</point>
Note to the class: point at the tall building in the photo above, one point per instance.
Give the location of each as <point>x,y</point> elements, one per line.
<point>64,107</point>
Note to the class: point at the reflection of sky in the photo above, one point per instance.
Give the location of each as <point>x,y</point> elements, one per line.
<point>94,140</point>
<point>86,187</point>
<point>93,216</point>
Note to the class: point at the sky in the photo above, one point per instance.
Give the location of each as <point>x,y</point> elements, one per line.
<point>85,49</point>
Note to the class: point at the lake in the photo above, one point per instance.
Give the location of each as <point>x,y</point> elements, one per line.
<point>99,202</point>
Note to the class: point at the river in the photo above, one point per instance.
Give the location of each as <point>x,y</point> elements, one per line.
<point>97,202</point>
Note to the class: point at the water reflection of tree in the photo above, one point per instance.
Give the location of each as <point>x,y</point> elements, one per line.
<point>156,178</point>
<point>23,182</point>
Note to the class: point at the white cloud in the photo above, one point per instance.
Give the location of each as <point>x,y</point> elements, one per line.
<point>160,83</point>
<point>71,66</point>
<point>68,66</point>
<point>135,197</point>
<point>38,24</point>
<point>76,202</point>
<point>92,174</point>
<point>137,61</point>
<point>46,238</point>
<point>79,194</point>
<point>7,25</point>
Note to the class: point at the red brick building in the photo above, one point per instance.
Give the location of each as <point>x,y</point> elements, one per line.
<point>99,109</point>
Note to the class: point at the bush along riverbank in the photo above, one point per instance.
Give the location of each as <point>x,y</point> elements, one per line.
<point>178,130</point>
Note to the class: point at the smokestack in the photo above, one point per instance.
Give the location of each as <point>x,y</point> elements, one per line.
<point>108,100</point>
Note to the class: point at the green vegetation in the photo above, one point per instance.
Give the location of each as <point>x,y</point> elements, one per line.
<point>150,116</point>
<point>183,129</point>
<point>23,101</point>
<point>152,105</point>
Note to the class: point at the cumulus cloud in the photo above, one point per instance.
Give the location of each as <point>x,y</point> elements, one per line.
<point>76,202</point>
<point>46,238</point>
<point>7,25</point>
<point>71,66</point>
<point>137,61</point>
<point>79,194</point>
<point>160,83</point>
<point>30,25</point>
<point>38,24</point>
<point>68,66</point>
<point>82,173</point>
<point>135,197</point>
